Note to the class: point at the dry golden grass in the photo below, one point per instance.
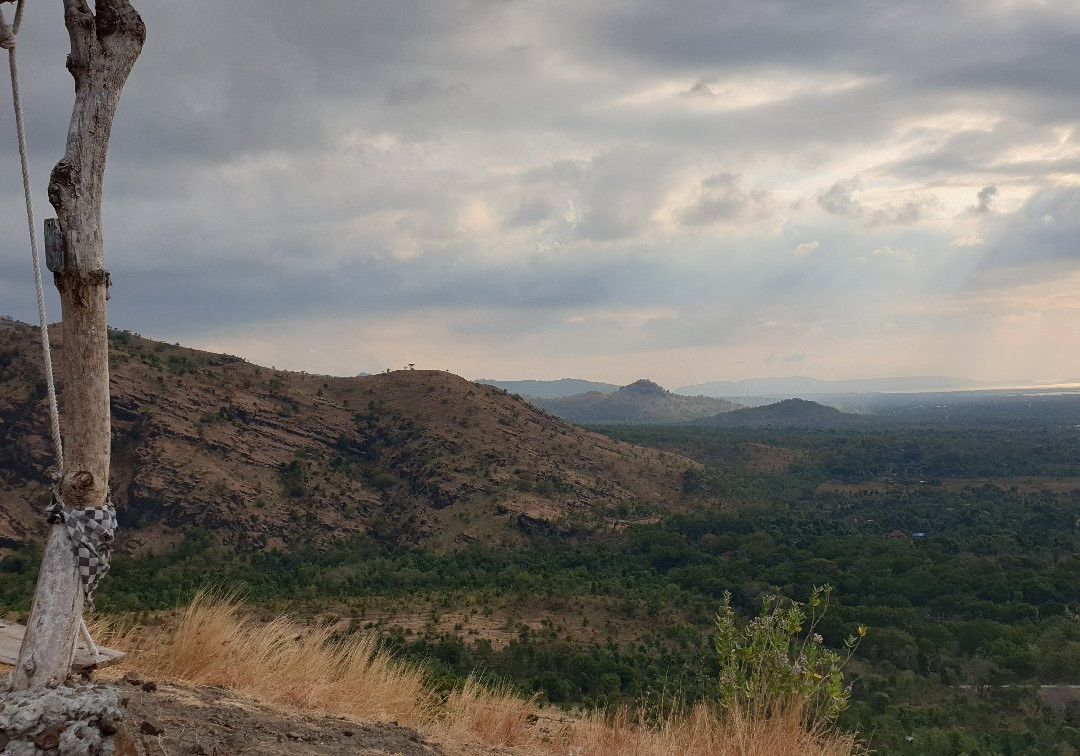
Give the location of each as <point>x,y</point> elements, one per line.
<point>279,662</point>
<point>702,731</point>
<point>493,715</point>
<point>214,643</point>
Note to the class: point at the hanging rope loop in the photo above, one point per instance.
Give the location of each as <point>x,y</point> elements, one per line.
<point>7,41</point>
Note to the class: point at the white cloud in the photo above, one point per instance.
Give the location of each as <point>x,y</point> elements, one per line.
<point>972,240</point>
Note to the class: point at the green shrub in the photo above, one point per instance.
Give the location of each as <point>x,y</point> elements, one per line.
<point>778,659</point>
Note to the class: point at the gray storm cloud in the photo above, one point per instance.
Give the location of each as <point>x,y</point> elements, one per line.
<point>637,169</point>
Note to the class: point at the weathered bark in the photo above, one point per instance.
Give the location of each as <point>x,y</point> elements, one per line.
<point>104,46</point>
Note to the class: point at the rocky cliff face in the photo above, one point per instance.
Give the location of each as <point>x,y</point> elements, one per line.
<point>261,457</point>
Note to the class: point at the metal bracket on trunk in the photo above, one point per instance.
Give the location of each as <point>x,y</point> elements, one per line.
<point>55,246</point>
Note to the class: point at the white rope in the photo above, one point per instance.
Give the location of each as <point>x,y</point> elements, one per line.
<point>90,645</point>
<point>7,40</point>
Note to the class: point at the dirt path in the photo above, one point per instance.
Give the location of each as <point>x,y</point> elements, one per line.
<point>170,721</point>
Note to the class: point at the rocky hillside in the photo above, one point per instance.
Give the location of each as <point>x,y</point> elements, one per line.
<point>261,457</point>
<point>642,402</point>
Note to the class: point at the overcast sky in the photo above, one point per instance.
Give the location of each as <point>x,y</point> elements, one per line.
<point>687,190</point>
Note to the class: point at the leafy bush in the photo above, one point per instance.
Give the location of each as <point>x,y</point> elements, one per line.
<point>778,659</point>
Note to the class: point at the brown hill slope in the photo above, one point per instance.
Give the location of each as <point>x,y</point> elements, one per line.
<point>263,457</point>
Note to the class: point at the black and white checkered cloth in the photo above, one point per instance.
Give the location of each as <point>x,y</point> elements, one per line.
<point>91,531</point>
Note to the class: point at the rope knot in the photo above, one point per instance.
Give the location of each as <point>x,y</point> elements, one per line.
<point>7,33</point>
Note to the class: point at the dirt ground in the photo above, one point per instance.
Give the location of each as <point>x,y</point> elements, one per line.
<point>170,721</point>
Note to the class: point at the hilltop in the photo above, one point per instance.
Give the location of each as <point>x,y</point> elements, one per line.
<point>262,457</point>
<point>641,402</point>
<point>788,413</point>
<point>551,389</point>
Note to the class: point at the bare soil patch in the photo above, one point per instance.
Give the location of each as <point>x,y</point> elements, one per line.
<point>212,721</point>
<point>878,486</point>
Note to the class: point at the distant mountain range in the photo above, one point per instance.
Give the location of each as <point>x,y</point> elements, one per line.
<point>550,389</point>
<point>792,386</point>
<point>802,386</point>
<point>789,413</point>
<point>642,402</point>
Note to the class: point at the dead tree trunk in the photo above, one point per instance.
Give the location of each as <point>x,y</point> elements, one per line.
<point>105,43</point>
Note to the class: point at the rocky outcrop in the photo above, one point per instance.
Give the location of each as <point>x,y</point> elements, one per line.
<point>68,721</point>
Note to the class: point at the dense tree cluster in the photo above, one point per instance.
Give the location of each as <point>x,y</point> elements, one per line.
<point>964,586</point>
